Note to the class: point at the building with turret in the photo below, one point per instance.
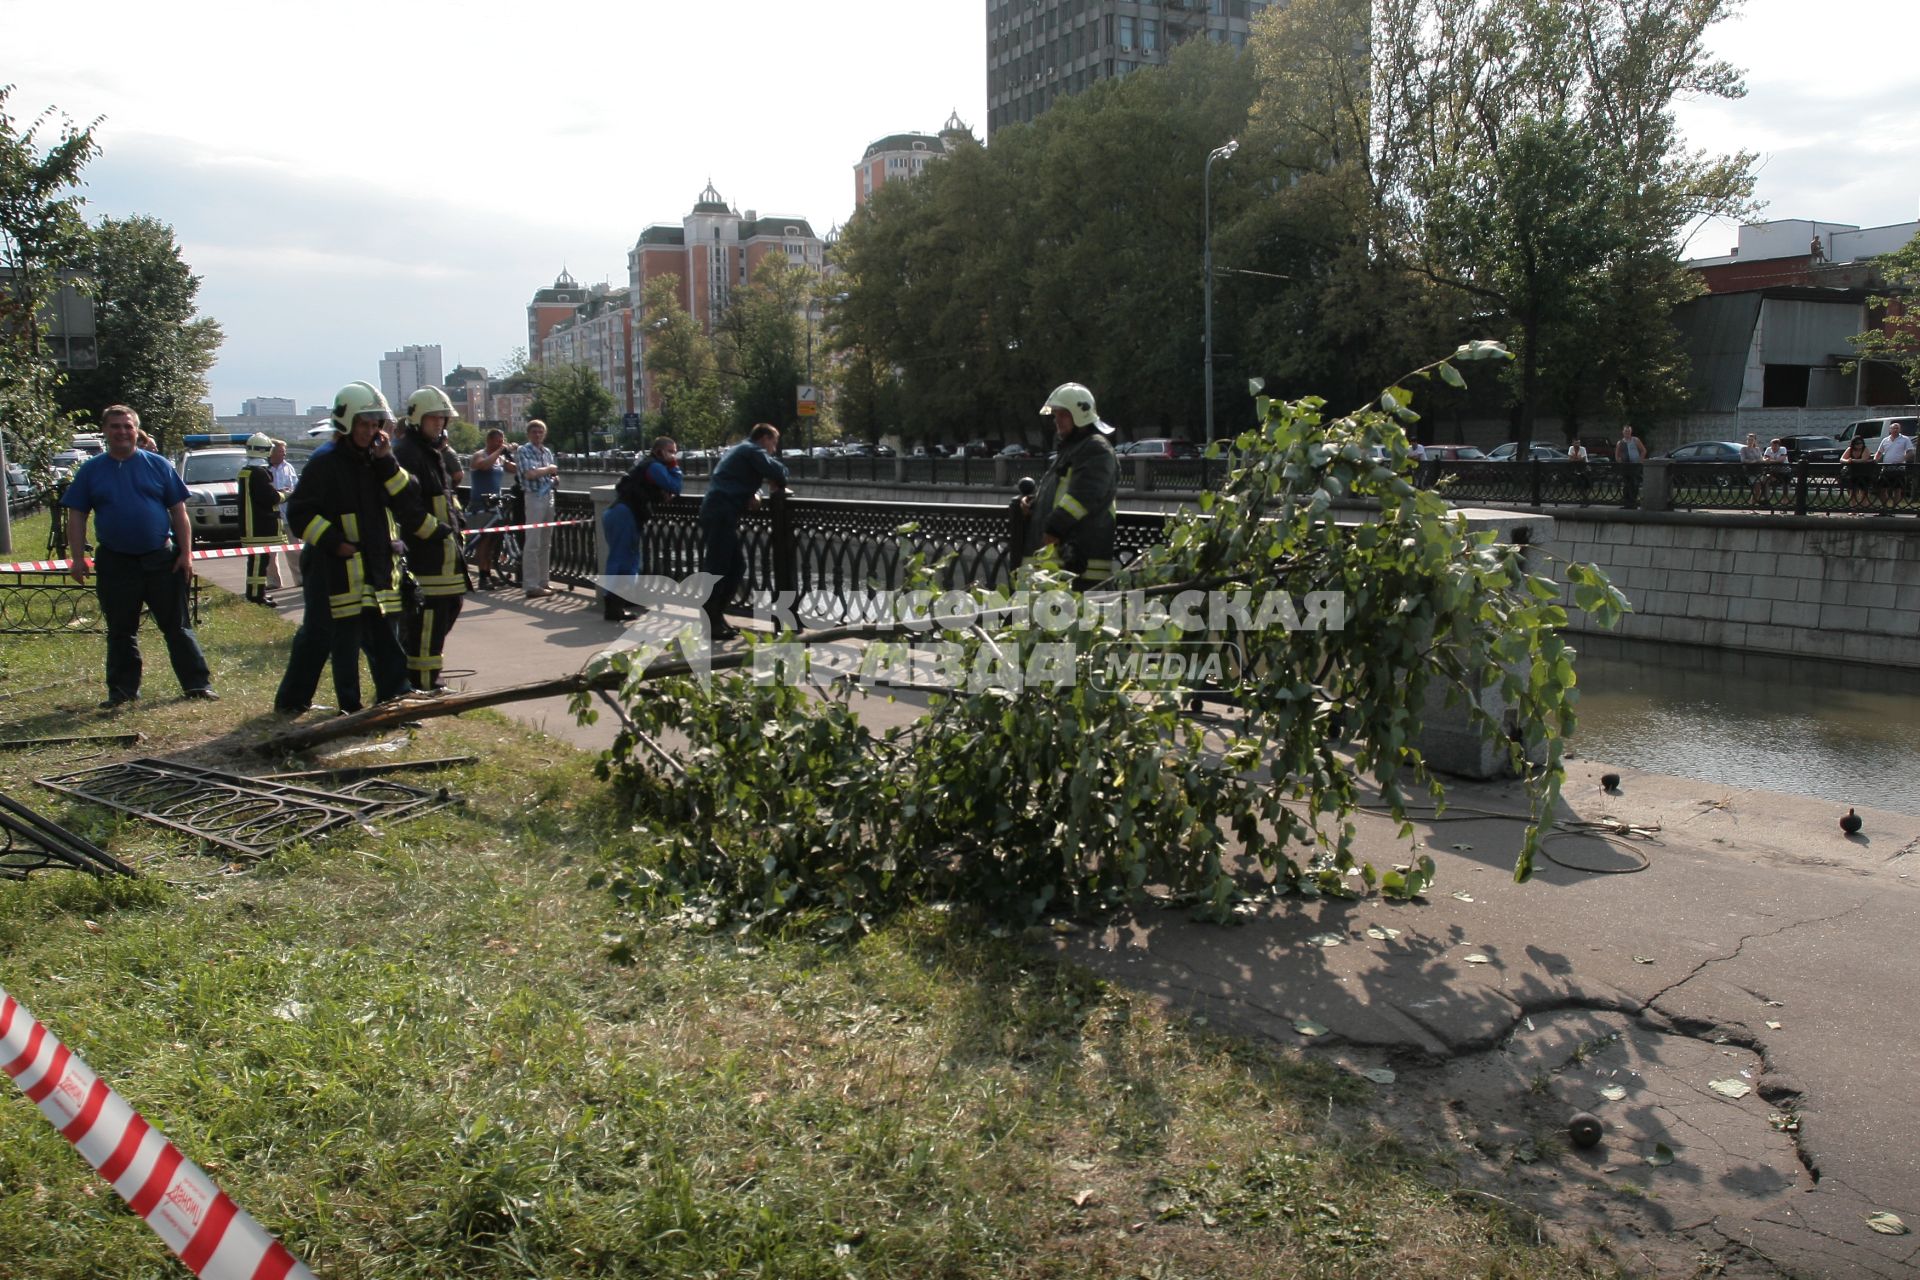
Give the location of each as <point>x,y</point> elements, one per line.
<point>905,155</point>
<point>712,252</point>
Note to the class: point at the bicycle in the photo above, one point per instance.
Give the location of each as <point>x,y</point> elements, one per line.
<point>488,511</point>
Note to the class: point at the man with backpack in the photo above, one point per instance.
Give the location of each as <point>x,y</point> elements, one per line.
<point>653,479</point>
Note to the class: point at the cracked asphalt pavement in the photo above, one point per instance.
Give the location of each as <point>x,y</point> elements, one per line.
<point>1759,947</point>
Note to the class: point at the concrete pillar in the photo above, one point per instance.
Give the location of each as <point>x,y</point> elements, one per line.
<point>603,498</point>
<point>1448,738</point>
<point>1140,480</point>
<point>1656,485</point>
<point>1001,467</point>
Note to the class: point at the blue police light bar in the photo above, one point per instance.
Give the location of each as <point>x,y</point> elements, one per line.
<point>213,438</point>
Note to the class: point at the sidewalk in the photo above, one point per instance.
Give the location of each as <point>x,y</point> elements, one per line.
<point>1757,948</point>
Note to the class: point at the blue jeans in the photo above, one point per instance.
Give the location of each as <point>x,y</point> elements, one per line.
<point>124,584</point>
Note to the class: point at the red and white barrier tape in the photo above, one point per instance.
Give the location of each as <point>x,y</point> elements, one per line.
<point>227,553</point>
<point>214,1237</point>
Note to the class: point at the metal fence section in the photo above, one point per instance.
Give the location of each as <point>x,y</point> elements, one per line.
<point>1804,488</point>
<point>51,602</point>
<point>576,556</point>
<point>835,561</point>
<point>1532,483</point>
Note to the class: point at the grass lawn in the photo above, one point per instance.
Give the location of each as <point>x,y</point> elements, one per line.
<point>412,1053</point>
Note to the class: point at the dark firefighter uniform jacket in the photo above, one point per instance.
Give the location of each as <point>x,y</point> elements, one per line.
<point>259,505</point>
<point>433,551</point>
<point>344,495</point>
<point>1075,503</point>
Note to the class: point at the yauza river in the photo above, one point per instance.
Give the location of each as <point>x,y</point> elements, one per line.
<point>1844,732</point>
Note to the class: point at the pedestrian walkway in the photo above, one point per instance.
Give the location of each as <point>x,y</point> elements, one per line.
<point>1733,987</point>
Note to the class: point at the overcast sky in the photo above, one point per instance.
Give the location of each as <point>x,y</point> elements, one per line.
<point>348,178</point>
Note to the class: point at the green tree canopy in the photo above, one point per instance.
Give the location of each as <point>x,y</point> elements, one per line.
<point>42,237</point>
<point>683,368</point>
<point>1069,250</point>
<point>154,352</point>
<point>573,404</point>
<point>761,342</point>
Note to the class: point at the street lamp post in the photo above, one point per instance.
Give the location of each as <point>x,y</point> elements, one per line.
<point>1206,217</point>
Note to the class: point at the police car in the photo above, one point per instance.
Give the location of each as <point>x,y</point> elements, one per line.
<point>210,468</point>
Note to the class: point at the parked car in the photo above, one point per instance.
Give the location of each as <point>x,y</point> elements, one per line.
<point>1707,451</point>
<point>212,477</point>
<point>1536,451</point>
<point>1873,430</point>
<point>1159,447</point>
<point>1812,448</point>
<point>1017,450</point>
<point>979,449</point>
<point>19,487</point>
<point>1454,453</point>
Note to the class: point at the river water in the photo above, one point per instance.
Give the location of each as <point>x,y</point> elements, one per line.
<point>1844,732</point>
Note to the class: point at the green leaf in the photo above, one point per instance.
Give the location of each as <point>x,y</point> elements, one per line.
<point>1451,376</point>
<point>1887,1224</point>
<point>1662,1155</point>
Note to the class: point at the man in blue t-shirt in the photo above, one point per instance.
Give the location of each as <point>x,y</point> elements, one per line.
<point>732,491</point>
<point>138,503</point>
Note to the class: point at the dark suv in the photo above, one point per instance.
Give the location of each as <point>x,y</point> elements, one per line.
<point>1812,448</point>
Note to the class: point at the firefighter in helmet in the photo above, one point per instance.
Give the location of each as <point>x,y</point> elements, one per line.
<point>434,560</point>
<point>259,514</point>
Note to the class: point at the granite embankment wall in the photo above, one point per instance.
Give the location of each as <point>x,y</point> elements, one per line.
<point>1829,587</point>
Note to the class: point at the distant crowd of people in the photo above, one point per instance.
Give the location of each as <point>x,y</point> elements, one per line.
<point>387,553</point>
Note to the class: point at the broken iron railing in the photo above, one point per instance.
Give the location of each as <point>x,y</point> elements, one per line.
<point>251,816</point>
<point>34,843</point>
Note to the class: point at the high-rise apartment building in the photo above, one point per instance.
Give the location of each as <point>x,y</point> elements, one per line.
<point>712,252</point>
<point>550,307</point>
<point>267,407</point>
<point>1041,50</point>
<point>904,155</point>
<point>599,335</point>
<point>405,371</point>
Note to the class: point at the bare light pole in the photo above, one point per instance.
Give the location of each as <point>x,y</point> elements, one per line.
<point>1206,217</point>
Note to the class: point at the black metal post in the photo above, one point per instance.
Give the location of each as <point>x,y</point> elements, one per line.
<point>786,574</point>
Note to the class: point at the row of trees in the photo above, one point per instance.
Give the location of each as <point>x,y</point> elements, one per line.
<point>152,349</point>
<point>1411,171</point>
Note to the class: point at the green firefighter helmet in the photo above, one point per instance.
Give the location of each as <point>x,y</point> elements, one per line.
<point>355,399</point>
<point>259,445</point>
<point>425,401</point>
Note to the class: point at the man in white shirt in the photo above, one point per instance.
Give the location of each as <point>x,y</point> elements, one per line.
<point>283,570</point>
<point>1896,448</point>
<point>537,467</point>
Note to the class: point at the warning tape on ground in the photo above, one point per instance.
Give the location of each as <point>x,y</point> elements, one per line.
<point>228,553</point>
<point>214,1237</point>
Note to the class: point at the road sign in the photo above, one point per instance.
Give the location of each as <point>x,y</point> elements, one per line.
<point>630,421</point>
<point>808,400</point>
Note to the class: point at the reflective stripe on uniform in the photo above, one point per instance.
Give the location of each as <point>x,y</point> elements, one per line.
<point>315,530</point>
<point>1073,506</point>
<point>396,483</point>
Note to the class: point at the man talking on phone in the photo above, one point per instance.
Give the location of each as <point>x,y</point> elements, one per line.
<point>339,511</point>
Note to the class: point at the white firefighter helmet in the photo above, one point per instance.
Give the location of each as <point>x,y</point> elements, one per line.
<point>1078,401</point>
<point>259,445</point>
<point>425,401</point>
<point>355,399</point>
